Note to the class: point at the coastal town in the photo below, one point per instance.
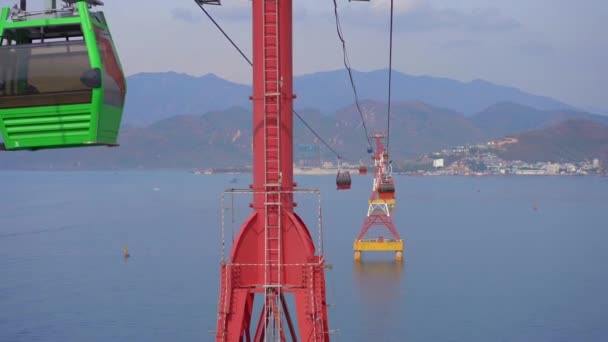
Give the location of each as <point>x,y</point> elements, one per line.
<point>467,160</point>
<point>477,160</point>
<point>484,160</point>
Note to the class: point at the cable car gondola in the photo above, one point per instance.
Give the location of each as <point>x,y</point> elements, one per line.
<point>362,169</point>
<point>61,82</point>
<point>343,180</point>
<point>386,189</point>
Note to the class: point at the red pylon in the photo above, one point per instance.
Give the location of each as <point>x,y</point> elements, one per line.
<point>381,204</point>
<point>273,255</point>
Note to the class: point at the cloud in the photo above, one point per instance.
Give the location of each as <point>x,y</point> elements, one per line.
<point>536,49</point>
<point>186,15</point>
<point>422,15</point>
<point>410,15</point>
<point>426,18</point>
<point>399,6</point>
<point>458,44</point>
<point>233,10</point>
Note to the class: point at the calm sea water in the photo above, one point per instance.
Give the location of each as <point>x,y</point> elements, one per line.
<point>480,264</point>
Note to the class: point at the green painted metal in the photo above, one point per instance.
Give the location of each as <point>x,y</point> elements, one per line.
<point>56,125</point>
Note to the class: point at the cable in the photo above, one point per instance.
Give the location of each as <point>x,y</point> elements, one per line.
<point>350,74</point>
<point>390,74</point>
<point>316,135</point>
<point>224,33</point>
<point>251,64</point>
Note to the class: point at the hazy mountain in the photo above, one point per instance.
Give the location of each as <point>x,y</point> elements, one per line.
<point>217,139</point>
<point>154,96</point>
<point>223,138</point>
<point>416,128</point>
<point>572,140</point>
<point>510,118</point>
<point>331,90</point>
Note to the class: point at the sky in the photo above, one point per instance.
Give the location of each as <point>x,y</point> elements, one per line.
<point>557,48</point>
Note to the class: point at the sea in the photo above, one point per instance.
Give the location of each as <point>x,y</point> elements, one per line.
<point>486,258</point>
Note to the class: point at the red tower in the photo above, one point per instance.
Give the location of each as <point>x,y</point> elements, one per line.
<point>381,204</point>
<point>273,255</point>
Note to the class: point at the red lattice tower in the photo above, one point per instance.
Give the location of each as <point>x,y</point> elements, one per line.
<point>273,255</point>
<point>381,205</point>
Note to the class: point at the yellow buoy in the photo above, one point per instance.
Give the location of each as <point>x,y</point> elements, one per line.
<point>125,252</point>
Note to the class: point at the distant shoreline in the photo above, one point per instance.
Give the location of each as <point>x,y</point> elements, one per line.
<point>306,172</point>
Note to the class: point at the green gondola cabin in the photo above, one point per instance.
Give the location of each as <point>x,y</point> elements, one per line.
<point>61,82</point>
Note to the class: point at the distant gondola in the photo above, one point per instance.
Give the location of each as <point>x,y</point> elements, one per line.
<point>386,189</point>
<point>343,180</point>
<point>362,169</point>
<point>61,82</point>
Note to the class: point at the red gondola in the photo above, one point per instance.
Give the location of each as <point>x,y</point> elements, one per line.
<point>362,169</point>
<point>343,180</point>
<point>386,189</point>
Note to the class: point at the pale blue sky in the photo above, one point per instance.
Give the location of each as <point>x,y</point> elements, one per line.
<point>556,48</point>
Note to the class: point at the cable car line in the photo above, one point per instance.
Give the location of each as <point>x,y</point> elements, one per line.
<point>251,64</point>
<point>350,74</point>
<point>224,33</point>
<point>390,74</point>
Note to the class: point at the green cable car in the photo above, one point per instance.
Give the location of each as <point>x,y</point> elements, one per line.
<point>61,82</point>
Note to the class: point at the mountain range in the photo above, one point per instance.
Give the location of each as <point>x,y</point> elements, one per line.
<point>156,96</point>
<point>508,118</point>
<point>222,138</point>
<point>572,140</point>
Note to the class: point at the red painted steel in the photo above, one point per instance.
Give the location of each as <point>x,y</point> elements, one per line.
<point>382,174</point>
<point>273,255</point>
<point>380,220</point>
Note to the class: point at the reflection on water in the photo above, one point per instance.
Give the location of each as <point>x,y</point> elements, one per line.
<point>378,281</point>
<point>379,286</point>
<point>379,269</point>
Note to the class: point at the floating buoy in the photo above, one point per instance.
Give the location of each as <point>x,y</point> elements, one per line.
<point>125,253</point>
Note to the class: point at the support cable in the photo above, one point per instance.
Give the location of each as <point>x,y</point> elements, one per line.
<point>251,64</point>
<point>224,33</point>
<point>350,73</point>
<point>390,74</point>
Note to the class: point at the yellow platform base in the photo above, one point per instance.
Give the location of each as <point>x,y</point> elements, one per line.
<point>381,201</point>
<point>378,245</point>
